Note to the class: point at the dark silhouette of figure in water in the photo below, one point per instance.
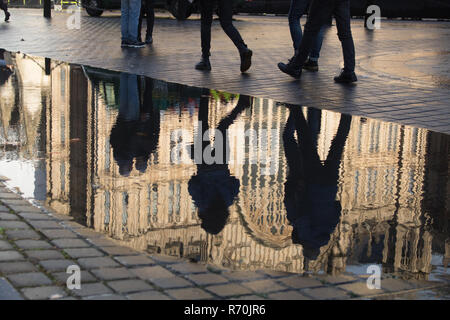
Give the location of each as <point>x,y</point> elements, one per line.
<point>311,187</point>
<point>135,134</point>
<point>213,188</point>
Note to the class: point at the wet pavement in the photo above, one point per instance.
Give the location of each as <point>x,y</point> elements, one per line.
<point>403,67</point>
<point>164,191</point>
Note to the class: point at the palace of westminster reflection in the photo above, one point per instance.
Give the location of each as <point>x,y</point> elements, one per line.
<point>98,146</point>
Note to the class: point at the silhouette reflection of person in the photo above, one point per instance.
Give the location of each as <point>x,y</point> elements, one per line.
<point>213,189</point>
<point>135,134</point>
<point>311,187</point>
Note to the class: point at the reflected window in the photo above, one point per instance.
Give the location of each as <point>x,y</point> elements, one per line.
<point>107,207</point>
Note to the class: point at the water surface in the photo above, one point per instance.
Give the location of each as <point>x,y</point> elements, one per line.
<point>269,186</point>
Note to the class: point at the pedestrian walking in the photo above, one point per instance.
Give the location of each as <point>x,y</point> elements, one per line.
<point>225,15</point>
<point>147,9</point>
<point>129,20</point>
<point>4,7</point>
<point>297,9</point>
<point>319,13</point>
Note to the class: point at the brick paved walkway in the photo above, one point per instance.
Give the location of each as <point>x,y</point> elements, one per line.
<point>403,68</point>
<point>37,247</point>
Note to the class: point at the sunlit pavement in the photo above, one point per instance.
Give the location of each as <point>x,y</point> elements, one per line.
<point>403,68</point>
<point>36,247</point>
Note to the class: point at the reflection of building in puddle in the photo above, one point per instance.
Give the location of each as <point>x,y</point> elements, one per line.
<point>387,176</point>
<point>23,96</point>
<point>23,99</point>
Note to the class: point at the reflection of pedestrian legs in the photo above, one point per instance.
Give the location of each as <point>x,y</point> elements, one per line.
<point>333,161</point>
<point>129,97</point>
<point>4,7</point>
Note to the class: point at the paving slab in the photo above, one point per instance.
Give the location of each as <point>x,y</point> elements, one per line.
<point>29,279</point>
<point>150,273</point>
<point>228,290</point>
<point>44,255</point>
<point>85,277</point>
<point>83,252</point>
<point>189,294</point>
<point>138,260</point>
<point>326,293</point>
<point>7,291</point>
<point>263,286</point>
<point>92,289</point>
<point>300,282</point>
<point>172,283</point>
<point>148,295</point>
<point>4,245</point>
<point>113,273</point>
<point>22,234</point>
<point>204,279</point>
<point>10,256</point>
<point>57,265</point>
<point>129,286</point>
<point>288,295</point>
<point>97,262</point>
<point>32,244</point>
<point>16,267</point>
<point>42,293</point>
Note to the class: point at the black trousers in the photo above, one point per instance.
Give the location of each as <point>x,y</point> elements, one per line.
<point>225,15</point>
<point>319,13</point>
<point>148,9</point>
<point>3,5</point>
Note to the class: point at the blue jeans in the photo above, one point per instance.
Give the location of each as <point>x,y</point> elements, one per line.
<point>319,14</point>
<point>129,97</point>
<point>129,20</point>
<point>297,10</point>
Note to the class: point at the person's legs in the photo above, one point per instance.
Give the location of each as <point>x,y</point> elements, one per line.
<point>319,12</point>
<point>342,15</point>
<point>317,45</point>
<point>124,8</point>
<point>141,16</point>
<point>133,20</point>
<point>206,11</point>
<point>226,21</point>
<point>296,10</point>
<point>150,10</point>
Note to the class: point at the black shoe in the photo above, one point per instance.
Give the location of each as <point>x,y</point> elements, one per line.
<point>204,64</point>
<point>148,39</point>
<point>311,65</point>
<point>291,68</point>
<point>246,59</point>
<point>135,44</point>
<point>124,43</point>
<point>346,77</point>
<point>7,15</point>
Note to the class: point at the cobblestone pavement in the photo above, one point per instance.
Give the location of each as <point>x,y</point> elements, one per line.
<point>403,68</point>
<point>37,247</point>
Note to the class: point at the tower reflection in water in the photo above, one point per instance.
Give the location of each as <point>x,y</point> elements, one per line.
<point>346,191</point>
